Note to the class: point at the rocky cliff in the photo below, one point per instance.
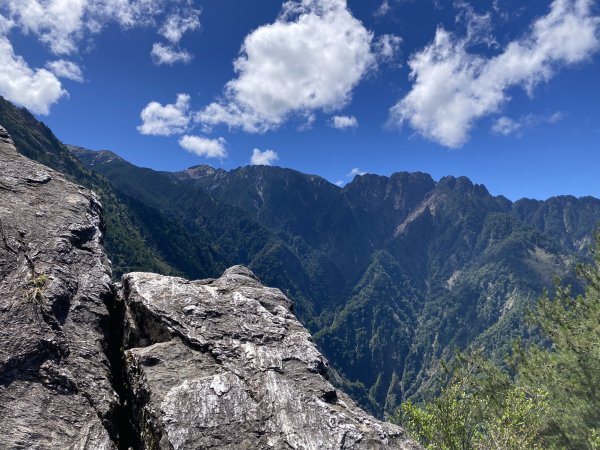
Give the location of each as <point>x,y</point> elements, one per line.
<point>55,381</point>
<point>156,362</point>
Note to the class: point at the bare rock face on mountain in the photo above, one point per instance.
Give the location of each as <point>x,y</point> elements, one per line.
<point>224,364</point>
<point>55,390</point>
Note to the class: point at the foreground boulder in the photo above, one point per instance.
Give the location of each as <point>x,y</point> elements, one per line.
<point>55,389</point>
<point>224,364</point>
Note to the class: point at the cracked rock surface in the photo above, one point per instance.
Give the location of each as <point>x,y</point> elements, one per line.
<point>224,364</point>
<point>55,390</point>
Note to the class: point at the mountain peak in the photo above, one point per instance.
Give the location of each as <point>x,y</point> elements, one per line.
<point>93,157</point>
<point>463,185</point>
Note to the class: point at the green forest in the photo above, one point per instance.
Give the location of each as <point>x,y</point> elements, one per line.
<point>545,395</point>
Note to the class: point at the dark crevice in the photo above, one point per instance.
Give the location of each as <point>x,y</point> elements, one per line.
<point>143,330</point>
<point>121,423</point>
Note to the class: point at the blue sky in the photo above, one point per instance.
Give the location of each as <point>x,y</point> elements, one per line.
<point>504,92</point>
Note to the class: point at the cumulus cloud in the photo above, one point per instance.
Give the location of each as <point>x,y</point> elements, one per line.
<point>57,23</point>
<point>36,89</point>
<point>266,158</point>
<point>65,69</point>
<point>506,126</point>
<point>165,54</point>
<point>201,146</point>
<point>166,120</point>
<point>344,122</point>
<point>285,68</point>
<point>453,88</point>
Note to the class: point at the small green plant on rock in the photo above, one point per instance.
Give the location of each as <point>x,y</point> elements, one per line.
<point>35,293</point>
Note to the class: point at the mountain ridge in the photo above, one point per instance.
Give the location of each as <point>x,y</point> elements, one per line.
<point>390,274</point>
<point>363,232</point>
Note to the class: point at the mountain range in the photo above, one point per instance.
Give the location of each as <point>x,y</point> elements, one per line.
<point>389,274</point>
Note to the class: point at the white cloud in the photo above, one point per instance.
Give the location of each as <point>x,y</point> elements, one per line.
<point>127,13</point>
<point>173,29</point>
<point>344,122</point>
<point>65,69</point>
<point>57,23</point>
<point>309,59</point>
<point>387,47</point>
<point>453,88</point>
<point>62,24</point>
<point>176,25</point>
<point>166,120</point>
<point>5,24</point>
<point>35,89</point>
<point>350,176</point>
<point>164,54</point>
<point>384,8</point>
<point>201,146</point>
<point>354,172</point>
<point>478,26</point>
<point>266,158</point>
<point>506,126</point>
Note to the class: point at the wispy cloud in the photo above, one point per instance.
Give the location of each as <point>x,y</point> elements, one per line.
<point>350,176</point>
<point>165,54</point>
<point>173,29</point>
<point>65,69</point>
<point>354,172</point>
<point>387,48</point>
<point>505,126</point>
<point>63,24</point>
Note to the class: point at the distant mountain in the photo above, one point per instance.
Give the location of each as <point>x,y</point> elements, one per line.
<point>390,274</point>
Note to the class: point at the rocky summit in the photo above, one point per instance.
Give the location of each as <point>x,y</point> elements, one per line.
<point>154,362</point>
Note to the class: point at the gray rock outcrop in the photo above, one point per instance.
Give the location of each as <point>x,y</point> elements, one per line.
<point>55,389</point>
<point>156,362</point>
<point>224,364</point>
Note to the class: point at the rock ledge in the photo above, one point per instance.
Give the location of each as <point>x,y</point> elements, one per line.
<point>223,363</point>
